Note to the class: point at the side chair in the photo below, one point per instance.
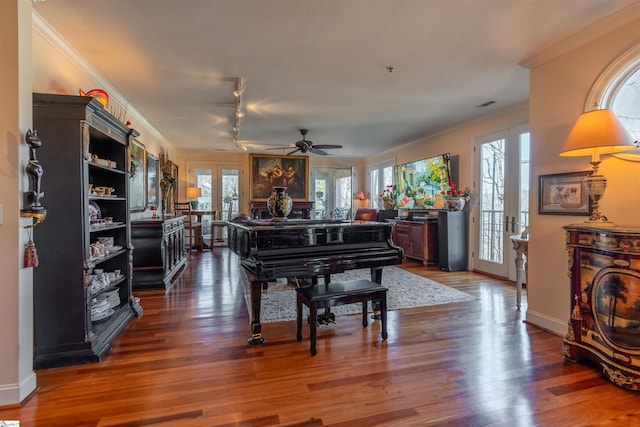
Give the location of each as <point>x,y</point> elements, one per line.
<point>191,225</point>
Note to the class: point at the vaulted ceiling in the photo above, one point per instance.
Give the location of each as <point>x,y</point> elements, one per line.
<point>366,74</point>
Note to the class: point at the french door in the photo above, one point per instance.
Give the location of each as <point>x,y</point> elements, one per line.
<point>502,208</point>
<point>220,186</point>
<point>330,188</point>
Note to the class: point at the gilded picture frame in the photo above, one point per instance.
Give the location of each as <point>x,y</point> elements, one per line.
<point>153,176</point>
<point>137,176</point>
<point>287,171</point>
<point>564,194</point>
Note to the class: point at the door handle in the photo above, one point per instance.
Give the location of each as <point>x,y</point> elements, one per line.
<point>506,223</point>
<point>513,224</point>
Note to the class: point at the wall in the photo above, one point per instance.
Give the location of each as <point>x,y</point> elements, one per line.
<point>17,379</point>
<point>58,68</point>
<point>559,88</point>
<point>185,177</point>
<point>458,140</point>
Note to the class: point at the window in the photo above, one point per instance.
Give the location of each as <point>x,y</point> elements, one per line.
<point>380,176</point>
<point>618,88</point>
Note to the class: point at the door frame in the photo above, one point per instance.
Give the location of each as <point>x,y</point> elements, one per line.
<point>512,208</point>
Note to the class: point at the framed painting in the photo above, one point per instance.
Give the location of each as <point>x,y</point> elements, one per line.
<point>152,180</point>
<point>564,194</point>
<point>273,171</point>
<point>137,177</point>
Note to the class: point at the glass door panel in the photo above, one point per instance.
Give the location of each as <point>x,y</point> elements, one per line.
<point>220,187</point>
<point>503,199</point>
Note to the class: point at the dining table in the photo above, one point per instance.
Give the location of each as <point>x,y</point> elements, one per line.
<point>217,226</point>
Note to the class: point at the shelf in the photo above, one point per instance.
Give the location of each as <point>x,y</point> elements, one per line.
<point>63,330</point>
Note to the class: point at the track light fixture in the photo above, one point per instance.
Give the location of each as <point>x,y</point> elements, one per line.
<point>239,87</point>
<point>238,113</point>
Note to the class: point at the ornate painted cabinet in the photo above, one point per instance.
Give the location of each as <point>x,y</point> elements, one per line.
<point>604,267</point>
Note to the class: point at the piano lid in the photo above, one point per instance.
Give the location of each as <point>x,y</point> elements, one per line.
<point>249,238</point>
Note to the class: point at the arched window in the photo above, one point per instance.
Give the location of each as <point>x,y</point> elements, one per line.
<point>618,88</point>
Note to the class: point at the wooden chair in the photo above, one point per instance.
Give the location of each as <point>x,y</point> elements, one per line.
<point>191,225</point>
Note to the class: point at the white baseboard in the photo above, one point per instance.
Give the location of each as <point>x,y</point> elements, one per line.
<point>14,394</point>
<point>553,325</point>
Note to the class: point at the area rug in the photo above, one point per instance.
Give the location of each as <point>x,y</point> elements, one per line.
<point>406,290</point>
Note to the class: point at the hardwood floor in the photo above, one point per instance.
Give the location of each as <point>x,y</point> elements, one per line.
<point>186,362</point>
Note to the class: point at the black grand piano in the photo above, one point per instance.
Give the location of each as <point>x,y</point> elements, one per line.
<point>307,249</point>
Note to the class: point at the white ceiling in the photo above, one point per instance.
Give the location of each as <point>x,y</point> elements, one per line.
<point>316,64</point>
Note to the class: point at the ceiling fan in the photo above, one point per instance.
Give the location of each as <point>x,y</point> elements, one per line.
<point>305,146</point>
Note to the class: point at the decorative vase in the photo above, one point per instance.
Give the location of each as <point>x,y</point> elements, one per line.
<point>455,203</point>
<point>279,204</point>
<point>164,190</point>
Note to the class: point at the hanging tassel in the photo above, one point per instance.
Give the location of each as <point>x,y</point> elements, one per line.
<point>30,253</point>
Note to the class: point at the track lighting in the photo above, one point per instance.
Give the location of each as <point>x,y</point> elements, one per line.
<point>239,87</point>
<point>238,113</point>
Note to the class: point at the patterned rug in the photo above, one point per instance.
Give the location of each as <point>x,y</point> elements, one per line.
<point>406,290</point>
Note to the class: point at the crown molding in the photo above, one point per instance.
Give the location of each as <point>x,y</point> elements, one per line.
<point>50,35</point>
<point>583,36</point>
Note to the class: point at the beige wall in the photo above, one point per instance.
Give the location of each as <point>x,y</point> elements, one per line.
<point>17,378</point>
<point>185,176</point>
<point>559,88</point>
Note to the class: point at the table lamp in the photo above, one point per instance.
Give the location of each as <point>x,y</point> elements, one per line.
<point>597,132</point>
<point>360,196</point>
<point>193,193</point>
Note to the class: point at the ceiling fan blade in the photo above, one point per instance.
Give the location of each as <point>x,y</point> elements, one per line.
<point>294,151</point>
<point>284,147</point>
<point>315,150</point>
<point>327,146</point>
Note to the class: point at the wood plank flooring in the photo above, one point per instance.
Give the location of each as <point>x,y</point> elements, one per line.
<point>186,362</point>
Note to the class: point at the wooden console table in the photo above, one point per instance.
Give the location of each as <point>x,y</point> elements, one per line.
<point>521,246</point>
<point>158,253</point>
<point>300,209</point>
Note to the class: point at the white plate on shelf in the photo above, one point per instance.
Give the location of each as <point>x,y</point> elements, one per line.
<point>94,210</point>
<point>114,248</point>
<point>103,315</point>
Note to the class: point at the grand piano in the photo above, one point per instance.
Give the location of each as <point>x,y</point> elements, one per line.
<point>307,249</point>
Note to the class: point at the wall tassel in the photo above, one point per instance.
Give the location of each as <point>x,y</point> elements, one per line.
<point>30,253</point>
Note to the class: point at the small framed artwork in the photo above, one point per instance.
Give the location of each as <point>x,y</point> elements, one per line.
<point>137,177</point>
<point>152,181</point>
<point>564,194</point>
<point>284,171</point>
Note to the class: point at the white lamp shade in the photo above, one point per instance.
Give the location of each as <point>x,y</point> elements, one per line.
<point>597,132</point>
<point>194,192</point>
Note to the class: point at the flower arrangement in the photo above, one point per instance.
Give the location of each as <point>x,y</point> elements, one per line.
<point>388,197</point>
<point>454,191</point>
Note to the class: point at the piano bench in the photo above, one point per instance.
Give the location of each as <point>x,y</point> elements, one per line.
<point>339,293</point>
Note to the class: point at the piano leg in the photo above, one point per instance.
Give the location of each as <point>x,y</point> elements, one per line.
<point>256,299</point>
<point>376,276</point>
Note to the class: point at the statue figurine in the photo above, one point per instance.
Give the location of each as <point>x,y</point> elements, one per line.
<point>34,172</point>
